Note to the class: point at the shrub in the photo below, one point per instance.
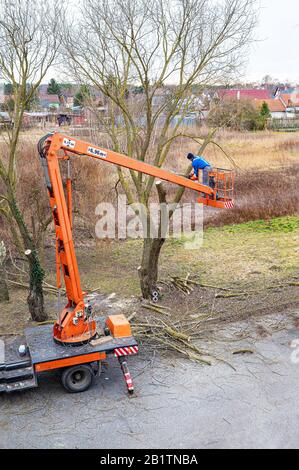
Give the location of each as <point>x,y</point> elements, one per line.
<point>236,114</point>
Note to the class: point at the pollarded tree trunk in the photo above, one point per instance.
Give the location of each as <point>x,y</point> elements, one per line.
<point>148,271</point>
<point>4,294</point>
<point>36,273</point>
<point>35,298</point>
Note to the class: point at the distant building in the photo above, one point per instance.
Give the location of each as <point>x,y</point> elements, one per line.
<point>38,119</point>
<point>284,90</point>
<point>160,97</point>
<point>43,89</point>
<point>69,100</point>
<point>48,101</point>
<point>291,101</point>
<point>277,108</point>
<point>243,94</point>
<point>2,93</point>
<point>5,119</point>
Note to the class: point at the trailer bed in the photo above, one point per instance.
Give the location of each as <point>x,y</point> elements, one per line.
<point>43,354</point>
<point>43,349</point>
<point>16,373</point>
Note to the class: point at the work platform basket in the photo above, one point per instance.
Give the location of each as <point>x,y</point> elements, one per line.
<point>222,182</point>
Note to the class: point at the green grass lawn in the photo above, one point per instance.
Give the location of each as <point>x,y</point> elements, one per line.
<point>256,252</point>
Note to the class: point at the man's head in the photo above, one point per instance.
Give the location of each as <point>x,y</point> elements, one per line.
<point>190,156</point>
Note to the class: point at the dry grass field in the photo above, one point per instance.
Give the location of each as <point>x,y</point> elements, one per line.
<point>267,170</point>
<point>267,150</point>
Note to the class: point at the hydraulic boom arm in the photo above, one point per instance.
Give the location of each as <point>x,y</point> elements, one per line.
<point>75,324</point>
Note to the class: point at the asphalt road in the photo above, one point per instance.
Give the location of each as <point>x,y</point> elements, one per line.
<point>177,404</point>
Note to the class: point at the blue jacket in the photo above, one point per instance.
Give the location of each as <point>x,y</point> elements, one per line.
<point>199,163</point>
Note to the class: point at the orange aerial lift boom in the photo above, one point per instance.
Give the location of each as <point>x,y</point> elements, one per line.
<point>75,324</point>
<point>90,338</point>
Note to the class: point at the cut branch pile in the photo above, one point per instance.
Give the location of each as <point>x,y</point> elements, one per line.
<point>160,328</point>
<point>187,284</point>
<point>160,331</point>
<point>161,335</point>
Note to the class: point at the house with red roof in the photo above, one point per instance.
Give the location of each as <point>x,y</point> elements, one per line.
<point>291,101</point>
<point>48,101</point>
<point>277,108</point>
<point>247,94</point>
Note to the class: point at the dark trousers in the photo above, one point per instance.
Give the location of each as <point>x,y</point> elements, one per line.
<point>205,175</point>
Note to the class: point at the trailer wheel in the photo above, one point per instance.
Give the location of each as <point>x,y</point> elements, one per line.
<point>77,379</point>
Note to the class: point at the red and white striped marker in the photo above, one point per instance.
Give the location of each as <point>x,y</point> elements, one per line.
<point>229,205</point>
<point>127,375</point>
<point>129,351</point>
<point>129,381</point>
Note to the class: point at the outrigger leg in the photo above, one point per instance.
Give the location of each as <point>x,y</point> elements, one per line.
<point>127,375</point>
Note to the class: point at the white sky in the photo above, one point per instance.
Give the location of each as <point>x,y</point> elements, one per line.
<point>276,53</point>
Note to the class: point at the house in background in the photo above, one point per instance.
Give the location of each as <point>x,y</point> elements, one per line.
<point>47,101</point>
<point>2,94</point>
<point>69,99</point>
<point>280,104</point>
<point>160,97</point>
<point>291,101</point>
<point>248,94</point>
<point>277,108</point>
<point>43,89</point>
<point>39,119</point>
<point>284,91</point>
<point>5,119</point>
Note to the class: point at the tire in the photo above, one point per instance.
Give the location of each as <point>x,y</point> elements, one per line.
<point>77,379</point>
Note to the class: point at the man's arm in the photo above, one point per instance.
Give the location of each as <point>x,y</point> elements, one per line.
<point>192,174</point>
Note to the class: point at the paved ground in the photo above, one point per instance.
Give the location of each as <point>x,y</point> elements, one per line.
<point>178,404</point>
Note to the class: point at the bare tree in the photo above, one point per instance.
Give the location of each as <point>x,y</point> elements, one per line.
<point>118,44</point>
<point>29,42</point>
<point>4,294</point>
